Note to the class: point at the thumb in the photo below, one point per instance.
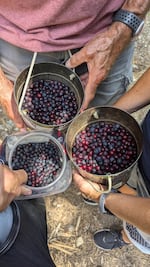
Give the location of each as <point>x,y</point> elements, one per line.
<point>89,93</point>
<point>76,59</point>
<point>21,176</point>
<point>25,191</point>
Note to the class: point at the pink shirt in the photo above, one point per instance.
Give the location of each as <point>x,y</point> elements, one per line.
<point>54,25</point>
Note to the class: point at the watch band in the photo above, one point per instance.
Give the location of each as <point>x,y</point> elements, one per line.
<point>2,161</point>
<point>102,203</point>
<point>130,19</point>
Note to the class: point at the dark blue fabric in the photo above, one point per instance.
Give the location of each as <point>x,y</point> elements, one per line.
<point>30,248</point>
<point>144,162</point>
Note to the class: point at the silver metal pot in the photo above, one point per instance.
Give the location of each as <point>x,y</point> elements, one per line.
<point>63,178</point>
<point>111,114</point>
<point>48,71</point>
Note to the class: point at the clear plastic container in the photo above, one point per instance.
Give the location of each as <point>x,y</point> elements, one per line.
<point>64,177</point>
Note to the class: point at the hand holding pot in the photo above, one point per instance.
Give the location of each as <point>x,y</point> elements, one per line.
<point>11,185</point>
<point>8,102</point>
<point>90,189</point>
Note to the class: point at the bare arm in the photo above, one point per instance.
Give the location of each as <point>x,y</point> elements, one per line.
<point>138,7</point>
<point>133,209</point>
<point>125,206</point>
<point>102,51</point>
<point>7,100</point>
<point>138,96</point>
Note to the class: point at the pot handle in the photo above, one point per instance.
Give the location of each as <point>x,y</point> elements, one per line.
<point>103,191</point>
<point>109,186</point>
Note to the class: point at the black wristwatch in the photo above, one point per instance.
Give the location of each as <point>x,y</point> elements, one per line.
<point>2,161</point>
<point>102,204</point>
<point>134,22</point>
<point>102,199</point>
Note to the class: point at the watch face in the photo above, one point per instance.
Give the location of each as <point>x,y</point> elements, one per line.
<point>139,29</point>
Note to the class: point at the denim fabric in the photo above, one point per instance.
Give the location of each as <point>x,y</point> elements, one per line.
<point>6,221</point>
<point>117,81</point>
<point>13,60</point>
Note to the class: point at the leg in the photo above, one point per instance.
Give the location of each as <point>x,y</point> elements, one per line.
<point>14,59</point>
<point>117,81</point>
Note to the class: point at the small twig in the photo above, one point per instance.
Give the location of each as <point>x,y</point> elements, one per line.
<point>59,248</point>
<point>63,246</point>
<point>57,228</point>
<point>55,231</point>
<point>66,235</point>
<point>77,224</point>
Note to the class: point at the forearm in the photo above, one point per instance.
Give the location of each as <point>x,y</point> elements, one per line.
<point>138,96</point>
<point>139,7</point>
<point>5,84</point>
<point>2,77</point>
<point>122,34</point>
<point>134,210</point>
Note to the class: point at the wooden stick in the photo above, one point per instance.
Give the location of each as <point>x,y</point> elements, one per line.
<point>61,249</point>
<point>63,246</point>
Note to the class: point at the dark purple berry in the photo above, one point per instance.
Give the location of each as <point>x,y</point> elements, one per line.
<point>50,102</point>
<point>104,147</point>
<point>41,161</point>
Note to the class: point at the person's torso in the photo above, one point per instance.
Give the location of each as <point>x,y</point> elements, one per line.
<point>144,162</point>
<point>54,25</point>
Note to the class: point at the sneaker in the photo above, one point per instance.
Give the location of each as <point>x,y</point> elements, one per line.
<point>89,201</point>
<point>108,239</point>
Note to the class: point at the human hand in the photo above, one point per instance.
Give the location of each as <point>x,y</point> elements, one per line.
<point>90,189</point>
<point>84,79</point>
<point>11,185</point>
<point>8,102</point>
<point>100,54</point>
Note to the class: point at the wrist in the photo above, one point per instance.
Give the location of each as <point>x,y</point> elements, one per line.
<point>104,201</point>
<point>122,31</point>
<point>139,8</point>
<point>121,36</point>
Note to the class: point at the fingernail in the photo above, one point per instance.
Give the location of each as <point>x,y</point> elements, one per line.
<point>28,191</point>
<point>67,63</point>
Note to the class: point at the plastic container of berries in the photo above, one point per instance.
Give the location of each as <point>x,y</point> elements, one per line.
<point>104,144</point>
<point>44,159</point>
<point>53,97</point>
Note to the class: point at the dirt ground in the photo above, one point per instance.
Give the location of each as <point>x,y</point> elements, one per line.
<point>71,222</point>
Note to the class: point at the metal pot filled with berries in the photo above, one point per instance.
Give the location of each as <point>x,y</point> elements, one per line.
<point>104,143</point>
<point>53,97</point>
<point>43,158</point>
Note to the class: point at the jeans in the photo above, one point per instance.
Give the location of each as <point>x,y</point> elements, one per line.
<point>13,60</point>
